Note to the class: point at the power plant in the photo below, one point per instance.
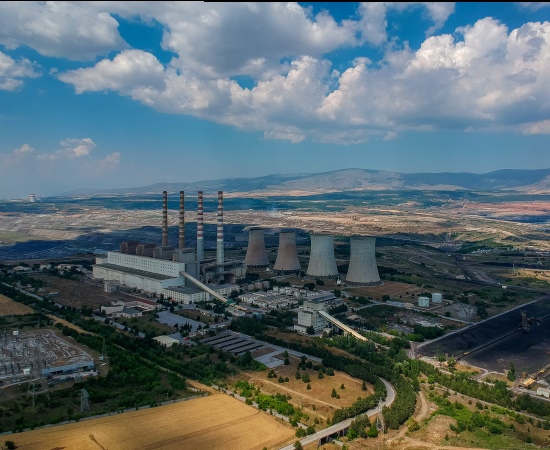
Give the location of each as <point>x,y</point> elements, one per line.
<point>362,262</point>
<point>256,254</point>
<point>287,255</point>
<point>322,263</point>
<point>153,268</point>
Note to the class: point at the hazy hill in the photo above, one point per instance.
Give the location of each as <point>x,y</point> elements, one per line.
<point>349,180</point>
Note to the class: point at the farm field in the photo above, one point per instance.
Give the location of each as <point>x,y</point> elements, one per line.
<point>10,308</point>
<point>216,422</point>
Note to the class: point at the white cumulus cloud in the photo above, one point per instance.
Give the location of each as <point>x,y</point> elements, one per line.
<point>13,72</point>
<point>59,29</point>
<point>70,149</point>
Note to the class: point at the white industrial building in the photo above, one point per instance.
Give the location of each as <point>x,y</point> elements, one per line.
<point>309,316</point>
<point>139,272</point>
<point>191,294</point>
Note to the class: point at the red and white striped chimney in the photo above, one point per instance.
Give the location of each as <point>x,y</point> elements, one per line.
<point>182,221</point>
<point>164,218</point>
<point>200,229</point>
<point>219,233</point>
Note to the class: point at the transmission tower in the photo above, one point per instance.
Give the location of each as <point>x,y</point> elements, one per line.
<point>84,402</point>
<point>36,387</point>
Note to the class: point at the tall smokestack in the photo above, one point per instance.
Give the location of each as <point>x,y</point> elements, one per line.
<point>219,234</point>
<point>164,218</point>
<point>182,221</point>
<point>200,229</point>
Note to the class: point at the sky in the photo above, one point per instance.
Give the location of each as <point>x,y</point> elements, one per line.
<point>125,94</point>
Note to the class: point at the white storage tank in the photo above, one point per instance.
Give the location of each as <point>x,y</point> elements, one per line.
<point>424,302</point>
<point>437,298</point>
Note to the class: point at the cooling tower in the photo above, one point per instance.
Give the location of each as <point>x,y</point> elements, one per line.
<point>256,255</point>
<point>219,234</point>
<point>287,255</point>
<point>322,263</point>
<point>182,221</point>
<point>164,218</point>
<point>200,229</point>
<point>362,262</point>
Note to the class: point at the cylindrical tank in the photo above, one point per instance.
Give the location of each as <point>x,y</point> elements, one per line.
<point>362,262</point>
<point>437,297</point>
<point>322,263</point>
<point>256,255</point>
<point>424,302</point>
<point>287,255</point>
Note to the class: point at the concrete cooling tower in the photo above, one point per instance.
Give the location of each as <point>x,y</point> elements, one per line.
<point>362,263</point>
<point>256,255</point>
<point>322,263</point>
<point>287,255</point>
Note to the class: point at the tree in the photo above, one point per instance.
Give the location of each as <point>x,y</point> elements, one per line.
<point>310,330</point>
<point>305,378</point>
<point>372,432</point>
<point>308,386</point>
<point>10,445</point>
<point>298,375</point>
<point>298,446</point>
<point>320,375</point>
<point>412,425</point>
<point>364,386</point>
<point>342,386</point>
<point>512,372</point>
<point>319,282</point>
<point>287,361</point>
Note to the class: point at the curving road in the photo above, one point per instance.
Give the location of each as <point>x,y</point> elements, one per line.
<point>390,397</point>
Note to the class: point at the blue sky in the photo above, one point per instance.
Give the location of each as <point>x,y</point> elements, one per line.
<point>109,94</point>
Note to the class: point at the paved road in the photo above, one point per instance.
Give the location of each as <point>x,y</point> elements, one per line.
<point>390,397</point>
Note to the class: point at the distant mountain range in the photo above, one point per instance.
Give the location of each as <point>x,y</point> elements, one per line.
<point>528,181</point>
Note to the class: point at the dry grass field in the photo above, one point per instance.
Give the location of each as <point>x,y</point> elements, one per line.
<point>317,400</point>
<point>76,293</point>
<point>10,308</point>
<point>392,288</point>
<point>216,422</point>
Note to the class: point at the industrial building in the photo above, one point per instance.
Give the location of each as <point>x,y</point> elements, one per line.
<point>140,272</point>
<point>322,263</point>
<point>287,255</point>
<point>191,294</point>
<point>153,268</point>
<point>309,316</point>
<point>362,262</point>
